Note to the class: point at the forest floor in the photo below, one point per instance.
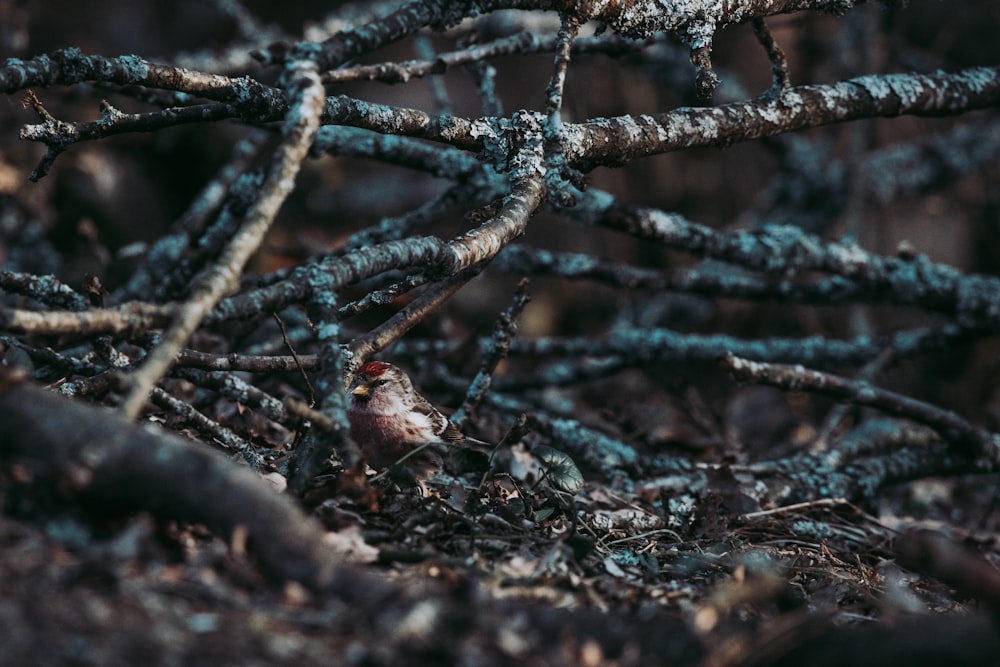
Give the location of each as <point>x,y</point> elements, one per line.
<point>487,570</point>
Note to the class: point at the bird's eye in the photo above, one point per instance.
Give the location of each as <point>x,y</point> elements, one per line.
<point>382,382</point>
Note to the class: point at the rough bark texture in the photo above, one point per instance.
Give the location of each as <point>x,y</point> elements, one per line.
<point>743,400</point>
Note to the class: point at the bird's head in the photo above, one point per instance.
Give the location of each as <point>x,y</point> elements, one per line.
<point>382,388</point>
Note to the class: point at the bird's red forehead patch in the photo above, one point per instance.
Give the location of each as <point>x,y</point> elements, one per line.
<point>374,369</point>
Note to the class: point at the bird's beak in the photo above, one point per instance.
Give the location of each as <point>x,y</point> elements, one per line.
<point>360,390</point>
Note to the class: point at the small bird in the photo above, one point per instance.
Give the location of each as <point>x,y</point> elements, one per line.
<point>389,419</point>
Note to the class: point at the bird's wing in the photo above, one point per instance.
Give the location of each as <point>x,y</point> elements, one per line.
<point>443,428</point>
<point>451,433</point>
<point>448,432</point>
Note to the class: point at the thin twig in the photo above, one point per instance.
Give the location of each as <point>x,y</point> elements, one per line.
<point>780,81</point>
<point>211,429</point>
<point>298,361</point>
<point>839,412</point>
<point>503,331</point>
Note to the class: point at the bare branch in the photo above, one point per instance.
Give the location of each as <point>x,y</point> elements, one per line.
<point>300,129</point>
<point>431,299</point>
<point>788,251</point>
<point>128,318</point>
<point>617,141</point>
<point>797,378</point>
<point>126,467</point>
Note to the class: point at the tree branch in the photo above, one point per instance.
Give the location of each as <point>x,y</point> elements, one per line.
<point>111,464</point>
